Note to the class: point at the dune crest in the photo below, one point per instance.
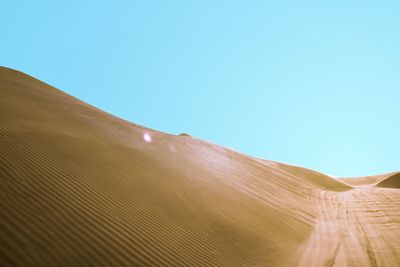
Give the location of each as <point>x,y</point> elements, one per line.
<point>80,187</point>
<point>366,180</point>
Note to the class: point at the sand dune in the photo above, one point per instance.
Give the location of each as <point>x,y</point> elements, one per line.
<point>392,181</point>
<point>367,180</point>
<point>80,187</point>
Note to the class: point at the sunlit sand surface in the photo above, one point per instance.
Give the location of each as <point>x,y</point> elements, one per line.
<point>80,187</point>
<point>358,227</point>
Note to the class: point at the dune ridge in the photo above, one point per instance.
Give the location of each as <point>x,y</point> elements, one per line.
<point>372,180</point>
<point>392,181</point>
<point>80,187</point>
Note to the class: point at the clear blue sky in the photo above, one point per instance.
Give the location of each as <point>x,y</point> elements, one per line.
<point>310,83</point>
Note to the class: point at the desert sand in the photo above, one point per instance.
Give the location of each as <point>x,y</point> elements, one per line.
<point>80,187</point>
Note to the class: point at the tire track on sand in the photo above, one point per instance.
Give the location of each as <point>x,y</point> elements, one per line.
<point>350,230</point>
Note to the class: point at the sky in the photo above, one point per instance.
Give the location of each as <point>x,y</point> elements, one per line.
<point>309,83</point>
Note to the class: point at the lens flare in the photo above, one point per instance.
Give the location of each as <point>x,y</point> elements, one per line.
<point>147,137</point>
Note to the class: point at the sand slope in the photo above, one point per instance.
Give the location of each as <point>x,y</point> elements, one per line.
<point>80,187</point>
<point>367,180</point>
<point>357,227</point>
<point>392,181</point>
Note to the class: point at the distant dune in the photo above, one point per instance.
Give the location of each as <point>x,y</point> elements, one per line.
<point>367,180</point>
<point>392,181</point>
<point>80,187</point>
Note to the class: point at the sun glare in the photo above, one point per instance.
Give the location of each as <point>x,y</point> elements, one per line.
<point>147,137</point>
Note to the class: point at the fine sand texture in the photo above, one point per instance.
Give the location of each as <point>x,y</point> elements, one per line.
<point>80,187</point>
